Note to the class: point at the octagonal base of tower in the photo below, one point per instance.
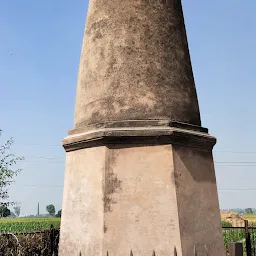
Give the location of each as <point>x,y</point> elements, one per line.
<point>128,189</point>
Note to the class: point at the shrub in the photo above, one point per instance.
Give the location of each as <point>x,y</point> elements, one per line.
<point>226,224</point>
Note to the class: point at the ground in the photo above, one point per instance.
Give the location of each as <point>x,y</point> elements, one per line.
<point>15,225</point>
<point>250,217</point>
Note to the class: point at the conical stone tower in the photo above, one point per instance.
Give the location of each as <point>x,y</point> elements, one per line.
<point>139,167</point>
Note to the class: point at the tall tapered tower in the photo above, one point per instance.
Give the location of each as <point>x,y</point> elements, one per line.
<point>38,209</point>
<point>139,166</point>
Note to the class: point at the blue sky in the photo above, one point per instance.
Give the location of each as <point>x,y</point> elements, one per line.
<point>39,56</point>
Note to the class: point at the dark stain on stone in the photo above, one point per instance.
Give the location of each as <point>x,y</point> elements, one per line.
<point>105,228</point>
<point>112,184</point>
<point>129,45</point>
<point>175,179</point>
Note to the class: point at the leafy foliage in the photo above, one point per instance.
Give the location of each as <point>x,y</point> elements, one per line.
<point>241,211</point>
<point>226,224</point>
<point>248,211</point>
<point>4,211</point>
<point>58,214</point>
<point>231,235</point>
<point>7,170</point>
<point>50,209</point>
<point>17,210</point>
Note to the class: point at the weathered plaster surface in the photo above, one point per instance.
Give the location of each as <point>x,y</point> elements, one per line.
<point>135,64</point>
<point>83,210</point>
<point>119,198</point>
<point>136,180</point>
<point>144,216</point>
<point>197,198</point>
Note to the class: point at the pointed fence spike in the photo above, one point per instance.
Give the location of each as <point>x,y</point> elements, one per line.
<point>206,250</point>
<point>154,253</point>
<point>195,253</point>
<point>175,251</point>
<point>131,254</point>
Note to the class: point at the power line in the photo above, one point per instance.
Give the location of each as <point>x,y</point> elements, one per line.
<point>47,162</point>
<point>216,162</point>
<point>41,159</point>
<point>238,189</point>
<point>41,186</point>
<point>42,145</point>
<point>234,152</point>
<point>230,165</point>
<point>217,151</point>
<point>243,162</point>
<point>46,157</point>
<point>61,186</point>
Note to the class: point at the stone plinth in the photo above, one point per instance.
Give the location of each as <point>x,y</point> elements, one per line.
<point>139,168</point>
<point>128,189</point>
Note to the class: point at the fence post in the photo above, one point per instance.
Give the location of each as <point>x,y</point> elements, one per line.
<point>235,249</point>
<point>247,239</point>
<point>52,240</point>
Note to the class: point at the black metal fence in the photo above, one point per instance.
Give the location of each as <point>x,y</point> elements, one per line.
<point>43,243</point>
<point>46,243</point>
<point>245,235</point>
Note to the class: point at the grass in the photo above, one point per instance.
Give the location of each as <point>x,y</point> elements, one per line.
<point>19,225</point>
<point>250,217</point>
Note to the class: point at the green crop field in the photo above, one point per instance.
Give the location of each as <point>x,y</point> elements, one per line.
<point>250,217</point>
<point>17,225</point>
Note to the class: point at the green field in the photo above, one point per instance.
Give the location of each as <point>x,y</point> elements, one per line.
<point>17,225</point>
<point>250,217</point>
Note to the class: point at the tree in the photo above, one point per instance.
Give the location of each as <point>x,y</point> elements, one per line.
<point>7,170</point>
<point>4,211</point>
<point>58,214</point>
<point>12,215</point>
<point>17,210</point>
<point>50,209</point>
<point>248,211</point>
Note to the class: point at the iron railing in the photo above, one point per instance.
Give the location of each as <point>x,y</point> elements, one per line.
<point>45,243</point>
<point>245,235</point>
